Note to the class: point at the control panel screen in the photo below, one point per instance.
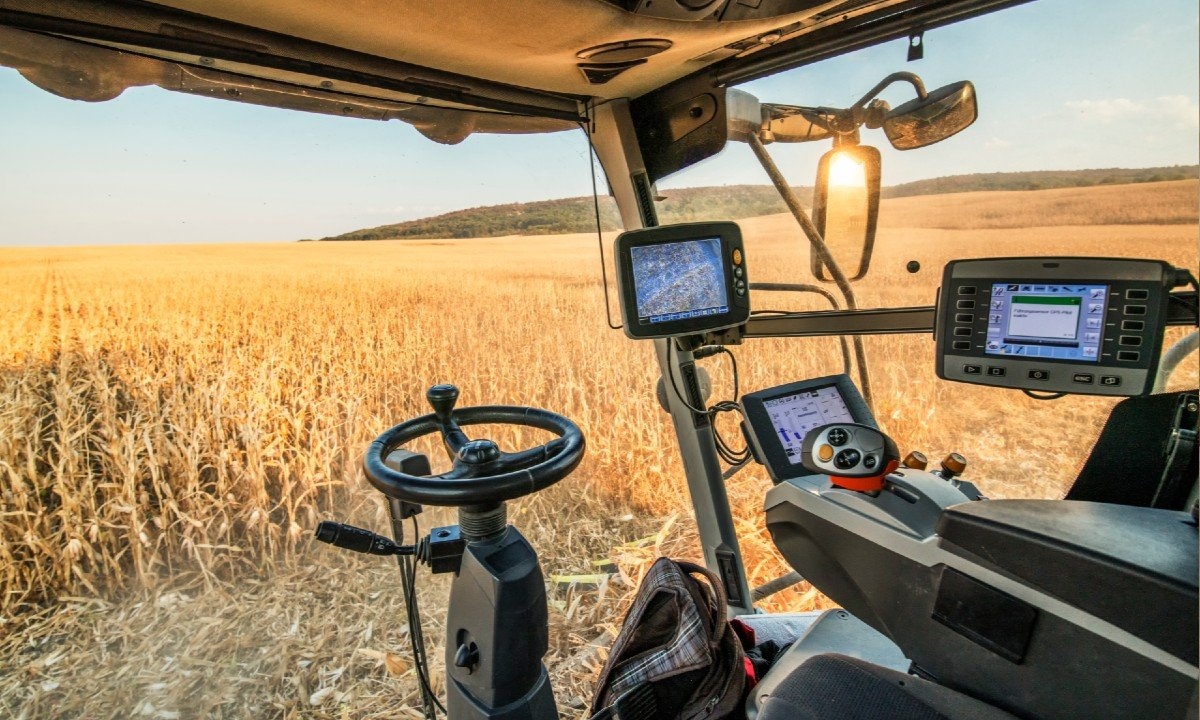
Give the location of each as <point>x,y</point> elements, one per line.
<point>679,280</point>
<point>778,419</point>
<point>793,416</point>
<point>685,279</point>
<point>1047,321</point>
<point>1089,326</point>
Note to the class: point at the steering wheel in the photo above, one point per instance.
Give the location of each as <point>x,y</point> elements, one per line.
<point>482,473</point>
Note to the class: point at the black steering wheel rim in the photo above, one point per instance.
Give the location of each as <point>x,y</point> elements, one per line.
<point>478,484</point>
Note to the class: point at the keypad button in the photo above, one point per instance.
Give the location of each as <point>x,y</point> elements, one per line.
<point>962,344</point>
<point>966,290</point>
<point>972,369</point>
<point>964,318</point>
<point>1133,325</point>
<point>1130,341</point>
<point>966,305</point>
<point>1083,378</point>
<point>1039,374</point>
<point>1137,294</point>
<point>962,332</point>
<point>1110,380</point>
<point>1135,309</point>
<point>1129,356</point>
<point>995,371</point>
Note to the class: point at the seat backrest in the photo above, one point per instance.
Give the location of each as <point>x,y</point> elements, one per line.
<point>1136,461</point>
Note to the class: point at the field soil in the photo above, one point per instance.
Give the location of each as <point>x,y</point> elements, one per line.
<point>177,420</point>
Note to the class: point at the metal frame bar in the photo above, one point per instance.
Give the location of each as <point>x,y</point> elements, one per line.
<point>615,141</point>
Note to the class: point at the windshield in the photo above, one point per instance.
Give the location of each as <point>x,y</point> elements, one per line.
<point>189,388</point>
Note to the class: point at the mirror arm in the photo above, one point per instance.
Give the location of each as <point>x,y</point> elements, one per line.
<point>818,244</point>
<point>908,77</point>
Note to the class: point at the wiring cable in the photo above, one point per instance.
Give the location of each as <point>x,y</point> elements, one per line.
<point>408,573</point>
<point>727,452</point>
<point>592,157</point>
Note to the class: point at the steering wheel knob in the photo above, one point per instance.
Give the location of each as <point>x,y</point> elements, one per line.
<point>442,399</point>
<point>479,452</point>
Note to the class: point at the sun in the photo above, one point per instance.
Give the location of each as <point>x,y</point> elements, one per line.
<point>846,171</point>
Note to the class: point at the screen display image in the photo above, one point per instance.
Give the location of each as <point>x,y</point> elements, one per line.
<point>795,415</point>
<point>1047,321</point>
<point>679,280</point>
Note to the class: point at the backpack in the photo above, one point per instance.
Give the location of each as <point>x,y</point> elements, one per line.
<point>676,655</point>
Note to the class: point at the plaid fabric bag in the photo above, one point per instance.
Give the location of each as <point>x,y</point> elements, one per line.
<point>676,655</point>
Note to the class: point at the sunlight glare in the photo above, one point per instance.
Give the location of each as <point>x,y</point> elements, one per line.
<point>846,171</point>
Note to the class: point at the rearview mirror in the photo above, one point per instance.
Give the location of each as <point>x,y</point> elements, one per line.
<point>942,113</point>
<point>792,123</point>
<point>846,208</point>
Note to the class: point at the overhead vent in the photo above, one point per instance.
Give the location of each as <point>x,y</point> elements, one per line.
<point>600,73</point>
<point>604,62</point>
<point>722,10</point>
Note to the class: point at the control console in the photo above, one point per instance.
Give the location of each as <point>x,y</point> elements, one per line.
<point>778,419</point>
<point>1090,326</point>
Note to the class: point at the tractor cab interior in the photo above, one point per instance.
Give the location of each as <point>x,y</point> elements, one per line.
<point>949,604</point>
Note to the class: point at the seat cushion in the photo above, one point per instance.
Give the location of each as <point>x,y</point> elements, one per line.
<point>838,687</point>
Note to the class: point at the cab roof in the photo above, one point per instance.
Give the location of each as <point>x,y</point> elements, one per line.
<point>449,68</point>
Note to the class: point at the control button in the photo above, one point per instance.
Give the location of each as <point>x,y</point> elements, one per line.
<point>966,305</point>
<point>1110,380</point>
<point>966,289</point>
<point>740,291</point>
<point>837,437</point>
<point>962,332</point>
<point>738,272</point>
<point>1135,309</point>
<point>1039,374</point>
<point>1129,356</point>
<point>1137,294</point>
<point>972,369</point>
<point>824,453</point>
<point>962,344</point>
<point>1130,341</point>
<point>847,459</point>
<point>997,371</point>
<point>737,256</point>
<point>964,318</point>
<point>1133,325</point>
<point>869,462</point>
<point>740,284</point>
<point>1083,378</point>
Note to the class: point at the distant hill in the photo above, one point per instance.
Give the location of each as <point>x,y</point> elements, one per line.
<point>733,202</point>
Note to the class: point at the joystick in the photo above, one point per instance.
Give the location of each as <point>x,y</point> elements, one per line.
<point>855,457</point>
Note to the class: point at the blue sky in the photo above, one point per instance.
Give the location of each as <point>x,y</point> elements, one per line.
<point>1062,84</point>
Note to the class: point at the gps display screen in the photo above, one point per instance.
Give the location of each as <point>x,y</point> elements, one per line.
<point>793,416</point>
<point>679,280</point>
<point>1047,321</point>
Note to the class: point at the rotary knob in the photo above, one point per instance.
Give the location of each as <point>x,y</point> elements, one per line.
<point>916,460</point>
<point>953,465</point>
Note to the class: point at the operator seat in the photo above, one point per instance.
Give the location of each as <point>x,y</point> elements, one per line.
<point>838,687</point>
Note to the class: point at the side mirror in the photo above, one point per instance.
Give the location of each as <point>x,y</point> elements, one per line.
<point>940,114</point>
<point>846,208</point>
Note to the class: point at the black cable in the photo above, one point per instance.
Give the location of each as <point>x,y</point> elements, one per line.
<point>599,229</point>
<point>1047,396</point>
<point>724,449</point>
<point>408,572</point>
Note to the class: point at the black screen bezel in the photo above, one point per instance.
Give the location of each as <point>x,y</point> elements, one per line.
<point>768,449</point>
<point>730,237</point>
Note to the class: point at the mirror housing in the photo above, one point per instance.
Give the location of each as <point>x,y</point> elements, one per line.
<point>939,115</point>
<point>846,209</point>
